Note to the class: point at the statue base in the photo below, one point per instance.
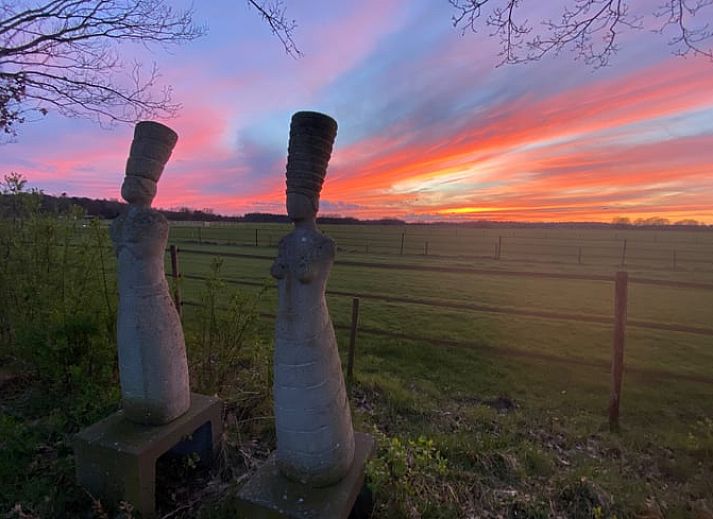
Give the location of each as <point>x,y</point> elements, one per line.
<point>116,458</point>
<point>270,495</point>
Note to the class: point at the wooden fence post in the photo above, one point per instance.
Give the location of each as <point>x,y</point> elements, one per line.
<point>176,274</point>
<point>200,235</point>
<point>403,237</point>
<point>623,254</point>
<point>352,341</point>
<point>500,247</point>
<point>256,237</point>
<point>617,365</point>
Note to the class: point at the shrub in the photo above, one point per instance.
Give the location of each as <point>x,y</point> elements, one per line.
<point>223,343</point>
<point>57,322</point>
<point>59,301</point>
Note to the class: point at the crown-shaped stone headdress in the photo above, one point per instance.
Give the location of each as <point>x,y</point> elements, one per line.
<point>312,136</point>
<point>150,150</point>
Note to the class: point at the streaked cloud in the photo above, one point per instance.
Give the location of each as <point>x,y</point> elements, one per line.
<point>429,127</point>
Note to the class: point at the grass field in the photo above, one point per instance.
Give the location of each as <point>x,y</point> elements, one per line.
<point>519,410</point>
<point>653,249</point>
<point>478,413</point>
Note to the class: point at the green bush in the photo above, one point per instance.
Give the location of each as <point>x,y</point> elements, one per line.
<point>59,301</point>
<point>57,335</point>
<point>225,350</point>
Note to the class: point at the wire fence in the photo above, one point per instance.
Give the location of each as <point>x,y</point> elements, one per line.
<point>619,320</point>
<point>674,251</point>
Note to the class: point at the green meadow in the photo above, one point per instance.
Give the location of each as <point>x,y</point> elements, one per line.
<point>651,249</point>
<point>516,405</point>
<point>487,413</point>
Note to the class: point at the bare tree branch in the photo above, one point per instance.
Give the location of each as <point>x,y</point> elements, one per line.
<point>588,28</point>
<point>689,38</point>
<point>62,55</point>
<point>273,12</point>
<point>468,13</point>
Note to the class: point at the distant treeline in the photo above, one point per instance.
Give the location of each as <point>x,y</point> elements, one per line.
<point>327,220</point>
<point>110,209</point>
<point>636,224</point>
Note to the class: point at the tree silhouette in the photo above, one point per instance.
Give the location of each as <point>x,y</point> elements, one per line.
<point>274,13</point>
<point>63,55</point>
<point>13,184</point>
<point>589,28</point>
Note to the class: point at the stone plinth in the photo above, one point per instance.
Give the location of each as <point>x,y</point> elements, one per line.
<point>270,495</point>
<point>116,458</point>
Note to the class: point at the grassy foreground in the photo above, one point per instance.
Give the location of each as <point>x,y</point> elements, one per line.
<point>488,429</point>
<point>521,436</point>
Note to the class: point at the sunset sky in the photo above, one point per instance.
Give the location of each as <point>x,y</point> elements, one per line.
<point>429,127</point>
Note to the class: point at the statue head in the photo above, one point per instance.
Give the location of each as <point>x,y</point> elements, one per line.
<point>150,150</point>
<point>312,136</point>
<point>138,190</point>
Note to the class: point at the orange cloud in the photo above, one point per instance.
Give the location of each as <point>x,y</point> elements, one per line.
<point>569,156</point>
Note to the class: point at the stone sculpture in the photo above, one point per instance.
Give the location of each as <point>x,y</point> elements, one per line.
<point>153,369</point>
<point>315,438</point>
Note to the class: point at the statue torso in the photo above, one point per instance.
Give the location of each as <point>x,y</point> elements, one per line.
<point>140,235</point>
<point>302,267</point>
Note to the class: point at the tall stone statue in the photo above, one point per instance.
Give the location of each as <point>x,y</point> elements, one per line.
<point>153,370</point>
<point>315,438</point>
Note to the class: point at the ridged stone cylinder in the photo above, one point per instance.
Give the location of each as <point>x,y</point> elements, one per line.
<point>150,150</point>
<point>153,370</point>
<point>312,137</point>
<point>315,438</point>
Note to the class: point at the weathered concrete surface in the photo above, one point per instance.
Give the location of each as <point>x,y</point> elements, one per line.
<point>116,458</point>
<point>153,369</point>
<point>270,495</point>
<point>315,438</point>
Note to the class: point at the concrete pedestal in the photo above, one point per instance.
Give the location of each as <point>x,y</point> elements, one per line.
<point>116,458</point>
<point>270,495</point>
